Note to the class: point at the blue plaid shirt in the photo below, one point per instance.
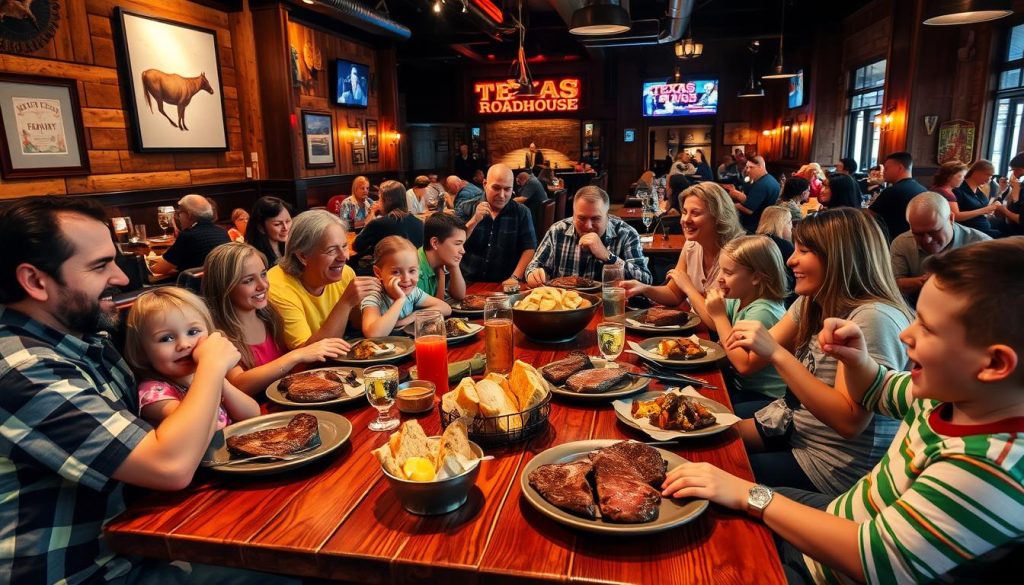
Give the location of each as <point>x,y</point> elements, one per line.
<point>496,244</point>
<point>559,252</point>
<point>68,412</point>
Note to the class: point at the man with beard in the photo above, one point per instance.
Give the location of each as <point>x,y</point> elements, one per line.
<point>70,436</point>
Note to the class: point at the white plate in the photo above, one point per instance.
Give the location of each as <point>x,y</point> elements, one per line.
<point>691,323</point>
<point>712,405</point>
<point>403,347</point>
<point>631,386</point>
<point>672,513</point>
<point>276,395</point>
<point>475,328</point>
<point>714,351</point>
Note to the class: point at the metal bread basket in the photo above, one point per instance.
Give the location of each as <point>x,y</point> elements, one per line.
<point>507,428</point>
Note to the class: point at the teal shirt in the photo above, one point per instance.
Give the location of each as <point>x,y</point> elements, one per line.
<point>428,278</point>
<point>766,381</point>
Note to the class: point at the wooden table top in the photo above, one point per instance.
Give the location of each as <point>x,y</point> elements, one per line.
<point>629,213</point>
<point>660,246</point>
<point>338,519</point>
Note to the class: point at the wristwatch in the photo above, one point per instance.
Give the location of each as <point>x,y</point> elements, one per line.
<point>758,499</point>
<point>612,258</point>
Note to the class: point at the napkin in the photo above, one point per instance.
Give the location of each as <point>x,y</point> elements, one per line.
<point>653,355</point>
<point>625,408</point>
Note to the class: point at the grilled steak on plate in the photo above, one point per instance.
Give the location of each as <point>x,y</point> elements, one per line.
<point>474,302</point>
<point>565,485</point>
<point>297,434</point>
<point>572,282</point>
<point>317,386</point>
<point>661,317</point>
<point>622,494</point>
<point>645,459</point>
<point>558,372</point>
<point>597,380</point>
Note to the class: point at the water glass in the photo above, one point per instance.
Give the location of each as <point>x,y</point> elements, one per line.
<point>612,275</point>
<point>381,383</point>
<point>498,338</point>
<point>611,339</point>
<point>614,302</point>
<point>139,234</point>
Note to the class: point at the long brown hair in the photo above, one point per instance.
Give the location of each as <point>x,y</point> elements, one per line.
<point>221,274</point>
<point>857,268</point>
<point>393,200</point>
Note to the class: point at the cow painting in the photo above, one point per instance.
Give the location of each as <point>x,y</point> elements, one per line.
<point>173,89</point>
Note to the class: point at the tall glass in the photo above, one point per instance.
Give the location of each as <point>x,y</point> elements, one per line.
<point>122,228</point>
<point>613,299</point>
<point>611,339</point>
<point>498,337</point>
<point>432,349</point>
<point>381,383</point>
<point>165,218</point>
<point>647,218</point>
<point>612,275</point>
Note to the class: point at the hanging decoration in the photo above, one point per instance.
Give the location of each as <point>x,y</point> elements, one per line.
<point>27,25</point>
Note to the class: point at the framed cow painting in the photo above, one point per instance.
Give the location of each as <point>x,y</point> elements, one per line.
<point>170,73</point>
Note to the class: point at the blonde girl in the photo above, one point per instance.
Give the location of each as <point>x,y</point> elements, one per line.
<point>236,288</point>
<point>165,329</point>
<point>397,266</point>
<point>816,438</point>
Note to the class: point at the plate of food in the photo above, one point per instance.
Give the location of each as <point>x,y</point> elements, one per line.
<point>471,305</point>
<point>578,283</point>
<point>679,352</point>
<point>595,379</point>
<point>283,440</point>
<point>661,320</point>
<point>457,329</point>
<point>607,486</point>
<point>319,387</point>
<point>675,414</point>
<point>381,350</point>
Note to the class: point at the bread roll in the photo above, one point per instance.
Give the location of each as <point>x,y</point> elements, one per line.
<point>528,385</point>
<point>454,441</point>
<point>467,398</point>
<point>412,442</point>
<point>494,401</point>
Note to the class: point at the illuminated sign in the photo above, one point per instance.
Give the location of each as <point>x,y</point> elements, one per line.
<point>553,95</point>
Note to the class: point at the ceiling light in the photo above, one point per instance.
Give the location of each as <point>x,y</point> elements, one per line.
<point>778,70</point>
<point>309,1</point>
<point>600,17</point>
<point>753,86</point>
<point>950,12</point>
<point>437,6</point>
<point>465,8</point>
<point>687,49</point>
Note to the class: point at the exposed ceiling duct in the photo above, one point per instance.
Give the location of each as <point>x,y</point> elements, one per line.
<point>642,32</point>
<point>355,14</point>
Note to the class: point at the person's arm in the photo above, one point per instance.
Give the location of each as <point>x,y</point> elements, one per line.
<point>740,208</point>
<point>255,380</point>
<point>696,298</point>
<point>631,253</point>
<point>524,261</point>
<point>911,284</point>
<point>162,266</point>
<point>735,194</point>
<point>336,322</point>
<point>962,216</point>
<point>456,285</point>
<point>908,283</point>
<point>1010,216</point>
<point>481,211</point>
<point>239,405</point>
<point>536,271</point>
<point>784,333</point>
<point>434,304</point>
<point>377,324</point>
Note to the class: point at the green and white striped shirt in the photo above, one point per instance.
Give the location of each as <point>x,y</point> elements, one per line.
<point>943,496</point>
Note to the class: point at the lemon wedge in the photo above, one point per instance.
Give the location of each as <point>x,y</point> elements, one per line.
<point>418,469</point>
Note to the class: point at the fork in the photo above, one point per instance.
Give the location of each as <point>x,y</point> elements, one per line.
<point>289,457</point>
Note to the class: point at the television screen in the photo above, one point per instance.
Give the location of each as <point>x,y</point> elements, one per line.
<point>698,97</point>
<point>796,89</point>
<point>353,79</point>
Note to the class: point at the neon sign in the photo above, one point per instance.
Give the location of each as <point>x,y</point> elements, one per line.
<point>553,95</point>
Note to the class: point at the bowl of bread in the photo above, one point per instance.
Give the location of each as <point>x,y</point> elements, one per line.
<point>553,315</point>
<point>430,475</point>
<point>499,410</point>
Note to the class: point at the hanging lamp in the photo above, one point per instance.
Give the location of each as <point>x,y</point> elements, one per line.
<point>778,70</point>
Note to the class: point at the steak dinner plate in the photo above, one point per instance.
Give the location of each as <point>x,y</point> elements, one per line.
<point>458,309</point>
<point>714,351</point>
<point>333,428</point>
<point>475,328</point>
<point>712,405</point>
<point>673,512</point>
<point>352,393</point>
<point>594,288</point>
<point>633,323</point>
<point>632,385</point>
<point>404,347</point>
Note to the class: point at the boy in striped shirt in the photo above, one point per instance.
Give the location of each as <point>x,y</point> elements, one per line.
<point>947,500</point>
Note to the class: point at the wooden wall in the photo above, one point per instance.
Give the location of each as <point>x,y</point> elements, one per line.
<point>83,49</point>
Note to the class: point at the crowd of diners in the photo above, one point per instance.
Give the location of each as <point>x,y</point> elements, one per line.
<point>874,346</point>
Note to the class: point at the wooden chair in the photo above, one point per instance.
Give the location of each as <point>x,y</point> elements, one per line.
<point>547,218</point>
<point>559,199</point>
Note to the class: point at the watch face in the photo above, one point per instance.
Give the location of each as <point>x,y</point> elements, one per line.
<point>760,496</point>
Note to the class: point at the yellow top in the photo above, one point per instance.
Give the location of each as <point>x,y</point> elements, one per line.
<point>303,314</point>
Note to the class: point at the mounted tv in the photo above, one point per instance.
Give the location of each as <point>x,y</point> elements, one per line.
<point>352,83</point>
<point>796,90</point>
<point>698,97</point>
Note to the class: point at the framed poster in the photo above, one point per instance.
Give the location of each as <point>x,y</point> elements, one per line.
<point>737,133</point>
<point>42,128</point>
<point>318,139</point>
<point>795,98</point>
<point>171,74</point>
<point>358,155</point>
<point>956,141</point>
<point>372,143</point>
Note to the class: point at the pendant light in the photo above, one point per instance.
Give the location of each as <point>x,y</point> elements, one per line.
<point>950,12</point>
<point>753,86</point>
<point>688,49</point>
<point>778,70</point>
<point>600,17</point>
<point>523,79</point>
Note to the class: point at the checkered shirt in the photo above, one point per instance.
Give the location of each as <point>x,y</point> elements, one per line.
<point>559,252</point>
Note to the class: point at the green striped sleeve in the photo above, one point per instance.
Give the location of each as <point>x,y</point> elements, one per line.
<point>889,394</point>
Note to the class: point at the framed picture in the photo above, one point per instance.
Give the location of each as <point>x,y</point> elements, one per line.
<point>372,144</point>
<point>358,155</point>
<point>171,74</point>
<point>42,128</point>
<point>737,133</point>
<point>318,139</point>
<point>796,90</point>
<point>628,135</point>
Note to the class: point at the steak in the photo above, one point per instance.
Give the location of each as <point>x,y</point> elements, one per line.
<point>565,485</point>
<point>596,380</point>
<point>313,386</point>
<point>645,459</point>
<point>300,432</point>
<point>572,282</point>
<point>622,495</point>
<point>661,317</point>
<point>474,302</point>
<point>558,372</point>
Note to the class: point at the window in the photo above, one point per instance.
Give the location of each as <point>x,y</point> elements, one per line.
<point>1008,115</point>
<point>866,98</point>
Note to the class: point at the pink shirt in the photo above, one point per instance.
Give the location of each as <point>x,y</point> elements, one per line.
<point>151,391</point>
<point>266,352</point>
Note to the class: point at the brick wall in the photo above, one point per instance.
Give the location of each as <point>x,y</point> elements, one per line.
<point>508,140</point>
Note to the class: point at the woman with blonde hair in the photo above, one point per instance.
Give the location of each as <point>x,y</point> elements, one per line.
<point>814,175</point>
<point>646,181</point>
<point>236,288</point>
<point>816,438</point>
<point>777,224</point>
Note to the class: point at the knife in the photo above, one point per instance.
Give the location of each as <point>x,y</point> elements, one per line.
<point>676,379</point>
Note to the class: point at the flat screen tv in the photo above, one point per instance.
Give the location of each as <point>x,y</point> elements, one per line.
<point>697,97</point>
<point>796,90</point>
<point>352,83</point>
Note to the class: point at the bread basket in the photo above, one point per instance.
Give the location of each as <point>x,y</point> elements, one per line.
<point>504,429</point>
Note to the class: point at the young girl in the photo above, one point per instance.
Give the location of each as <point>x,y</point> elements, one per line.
<point>236,288</point>
<point>164,326</point>
<point>843,270</point>
<point>396,265</point>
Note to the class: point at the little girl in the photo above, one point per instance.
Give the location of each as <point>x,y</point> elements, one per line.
<point>163,328</point>
<point>397,266</point>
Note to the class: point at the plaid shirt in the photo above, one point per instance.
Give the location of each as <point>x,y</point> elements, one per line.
<point>68,411</point>
<point>496,244</point>
<point>559,253</point>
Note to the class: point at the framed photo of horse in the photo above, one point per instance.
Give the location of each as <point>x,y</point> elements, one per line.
<point>41,125</point>
<point>170,74</point>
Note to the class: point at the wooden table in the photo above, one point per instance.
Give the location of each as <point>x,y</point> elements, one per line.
<point>630,214</point>
<point>660,246</point>
<point>338,519</point>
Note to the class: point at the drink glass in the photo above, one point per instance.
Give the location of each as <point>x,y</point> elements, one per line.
<point>432,349</point>
<point>611,339</point>
<point>122,228</point>
<point>498,334</point>
<point>612,275</point>
<point>165,218</point>
<point>381,383</point>
<point>614,302</point>
<point>139,234</point>
<point>647,218</point>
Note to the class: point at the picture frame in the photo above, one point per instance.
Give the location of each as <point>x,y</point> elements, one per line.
<point>358,155</point>
<point>737,133</point>
<point>372,141</point>
<point>170,73</point>
<point>796,93</point>
<point>41,124</point>
<point>318,139</point>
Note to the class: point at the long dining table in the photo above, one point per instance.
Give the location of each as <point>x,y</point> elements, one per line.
<point>337,519</point>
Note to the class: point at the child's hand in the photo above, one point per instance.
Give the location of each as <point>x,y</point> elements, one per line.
<point>704,480</point>
<point>393,289</point>
<point>633,288</point>
<point>843,340</point>
<point>715,304</point>
<point>322,350</point>
<point>216,350</point>
<point>753,337</point>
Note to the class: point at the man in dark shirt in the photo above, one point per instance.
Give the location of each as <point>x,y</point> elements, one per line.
<point>466,164</point>
<point>197,238</point>
<point>531,192</point>
<point>762,193</point>
<point>891,204</point>
<point>500,241</point>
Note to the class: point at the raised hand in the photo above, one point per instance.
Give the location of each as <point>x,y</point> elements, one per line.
<point>753,337</point>
<point>843,340</point>
<point>217,351</point>
<point>633,288</point>
<point>322,350</point>
<point>359,289</point>
<point>715,304</point>
<point>393,289</point>
<point>593,243</point>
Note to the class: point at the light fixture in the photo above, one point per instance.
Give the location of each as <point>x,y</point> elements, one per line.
<point>778,70</point>
<point>524,81</point>
<point>600,17</point>
<point>753,86</point>
<point>437,6</point>
<point>309,1</point>
<point>465,6</point>
<point>883,120</point>
<point>687,49</point>
<point>950,12</point>
<point>677,75</point>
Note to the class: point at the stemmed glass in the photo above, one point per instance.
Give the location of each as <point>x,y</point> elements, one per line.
<point>165,218</point>
<point>381,383</point>
<point>647,218</point>
<point>611,340</point>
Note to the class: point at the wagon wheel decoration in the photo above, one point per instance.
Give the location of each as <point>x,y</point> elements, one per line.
<point>27,25</point>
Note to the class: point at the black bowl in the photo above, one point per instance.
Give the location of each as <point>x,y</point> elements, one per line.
<point>554,326</point>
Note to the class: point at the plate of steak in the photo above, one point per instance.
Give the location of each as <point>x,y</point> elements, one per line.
<point>686,416</point>
<point>623,476</point>
<point>661,320</point>
<point>601,383</point>
<point>379,350</point>
<point>580,283</point>
<point>319,387</point>
<point>558,372</point>
<point>471,305</point>
<point>279,433</point>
